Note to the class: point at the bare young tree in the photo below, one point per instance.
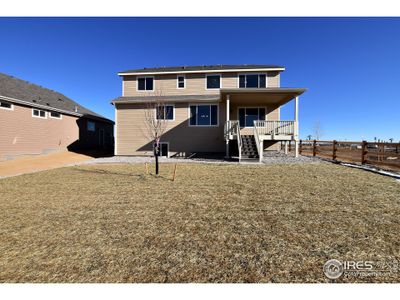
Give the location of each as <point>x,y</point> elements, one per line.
<point>309,137</point>
<point>317,129</point>
<point>155,120</point>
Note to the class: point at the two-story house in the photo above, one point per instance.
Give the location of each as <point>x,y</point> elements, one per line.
<point>231,109</point>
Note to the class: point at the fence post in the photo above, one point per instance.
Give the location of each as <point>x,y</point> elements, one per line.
<point>314,151</point>
<point>364,152</point>
<point>300,146</point>
<point>334,149</point>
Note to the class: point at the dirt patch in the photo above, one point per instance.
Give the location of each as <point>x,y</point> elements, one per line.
<point>31,164</point>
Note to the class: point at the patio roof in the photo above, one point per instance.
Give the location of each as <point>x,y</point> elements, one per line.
<point>277,96</point>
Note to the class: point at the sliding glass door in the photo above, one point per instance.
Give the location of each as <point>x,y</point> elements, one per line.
<point>247,115</point>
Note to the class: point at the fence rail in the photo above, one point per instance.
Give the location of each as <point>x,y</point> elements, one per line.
<point>384,155</point>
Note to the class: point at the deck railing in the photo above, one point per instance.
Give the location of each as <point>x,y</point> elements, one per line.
<point>275,127</point>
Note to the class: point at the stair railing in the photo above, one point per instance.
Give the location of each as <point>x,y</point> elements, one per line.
<point>257,138</point>
<point>239,141</point>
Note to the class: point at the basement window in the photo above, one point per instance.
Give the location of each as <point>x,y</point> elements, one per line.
<point>37,113</point>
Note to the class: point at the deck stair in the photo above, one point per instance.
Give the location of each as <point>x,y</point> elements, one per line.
<point>249,148</point>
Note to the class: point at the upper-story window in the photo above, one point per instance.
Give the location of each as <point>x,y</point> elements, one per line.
<point>55,115</point>
<point>6,105</point>
<point>165,112</point>
<point>37,113</point>
<point>252,81</point>
<point>181,82</point>
<point>145,83</point>
<point>213,81</point>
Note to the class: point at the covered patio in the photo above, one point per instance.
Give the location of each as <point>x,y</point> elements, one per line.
<point>255,114</point>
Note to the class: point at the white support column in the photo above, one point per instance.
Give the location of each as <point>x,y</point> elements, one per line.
<point>296,127</point>
<point>227,107</point>
<point>261,154</point>
<point>286,147</point>
<point>227,119</point>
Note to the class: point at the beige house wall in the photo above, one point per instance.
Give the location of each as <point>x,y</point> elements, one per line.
<point>195,84</point>
<point>23,134</point>
<point>132,135</point>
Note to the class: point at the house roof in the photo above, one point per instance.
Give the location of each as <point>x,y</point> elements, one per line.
<point>199,69</point>
<point>26,93</point>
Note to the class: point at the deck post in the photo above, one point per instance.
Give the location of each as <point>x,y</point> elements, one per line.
<point>261,154</point>
<point>296,148</point>
<point>296,127</point>
<point>227,119</point>
<point>286,147</point>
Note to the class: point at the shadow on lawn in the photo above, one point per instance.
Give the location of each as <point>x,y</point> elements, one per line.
<point>107,172</point>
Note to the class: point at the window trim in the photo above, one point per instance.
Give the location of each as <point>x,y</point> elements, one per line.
<point>6,108</point>
<point>203,126</point>
<point>245,74</point>
<point>87,126</point>
<point>184,81</point>
<point>251,106</point>
<point>220,82</point>
<point>161,148</point>
<point>50,112</point>
<point>137,83</point>
<point>39,110</point>
<point>173,111</point>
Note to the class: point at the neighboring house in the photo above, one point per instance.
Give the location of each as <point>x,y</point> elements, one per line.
<point>224,108</point>
<point>36,120</point>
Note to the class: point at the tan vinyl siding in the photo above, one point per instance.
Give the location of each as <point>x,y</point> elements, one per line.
<point>273,79</point>
<point>182,138</point>
<point>195,84</point>
<point>23,134</point>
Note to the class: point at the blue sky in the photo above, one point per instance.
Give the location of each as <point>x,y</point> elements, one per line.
<point>349,65</point>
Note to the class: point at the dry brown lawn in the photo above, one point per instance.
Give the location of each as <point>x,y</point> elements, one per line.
<point>215,223</point>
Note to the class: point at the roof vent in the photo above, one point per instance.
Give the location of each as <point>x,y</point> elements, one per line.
<point>59,99</point>
<point>34,100</point>
<point>76,109</point>
<point>48,104</point>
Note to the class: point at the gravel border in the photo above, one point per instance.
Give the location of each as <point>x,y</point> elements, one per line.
<point>269,159</point>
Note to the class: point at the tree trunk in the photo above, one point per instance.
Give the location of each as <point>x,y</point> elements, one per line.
<point>157,163</point>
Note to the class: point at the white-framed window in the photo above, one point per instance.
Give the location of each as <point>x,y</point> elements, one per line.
<point>203,115</point>
<point>38,113</point>
<point>213,81</point>
<point>181,82</point>
<point>252,80</point>
<point>6,105</point>
<point>91,126</point>
<point>165,112</point>
<point>145,83</point>
<point>55,115</point>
